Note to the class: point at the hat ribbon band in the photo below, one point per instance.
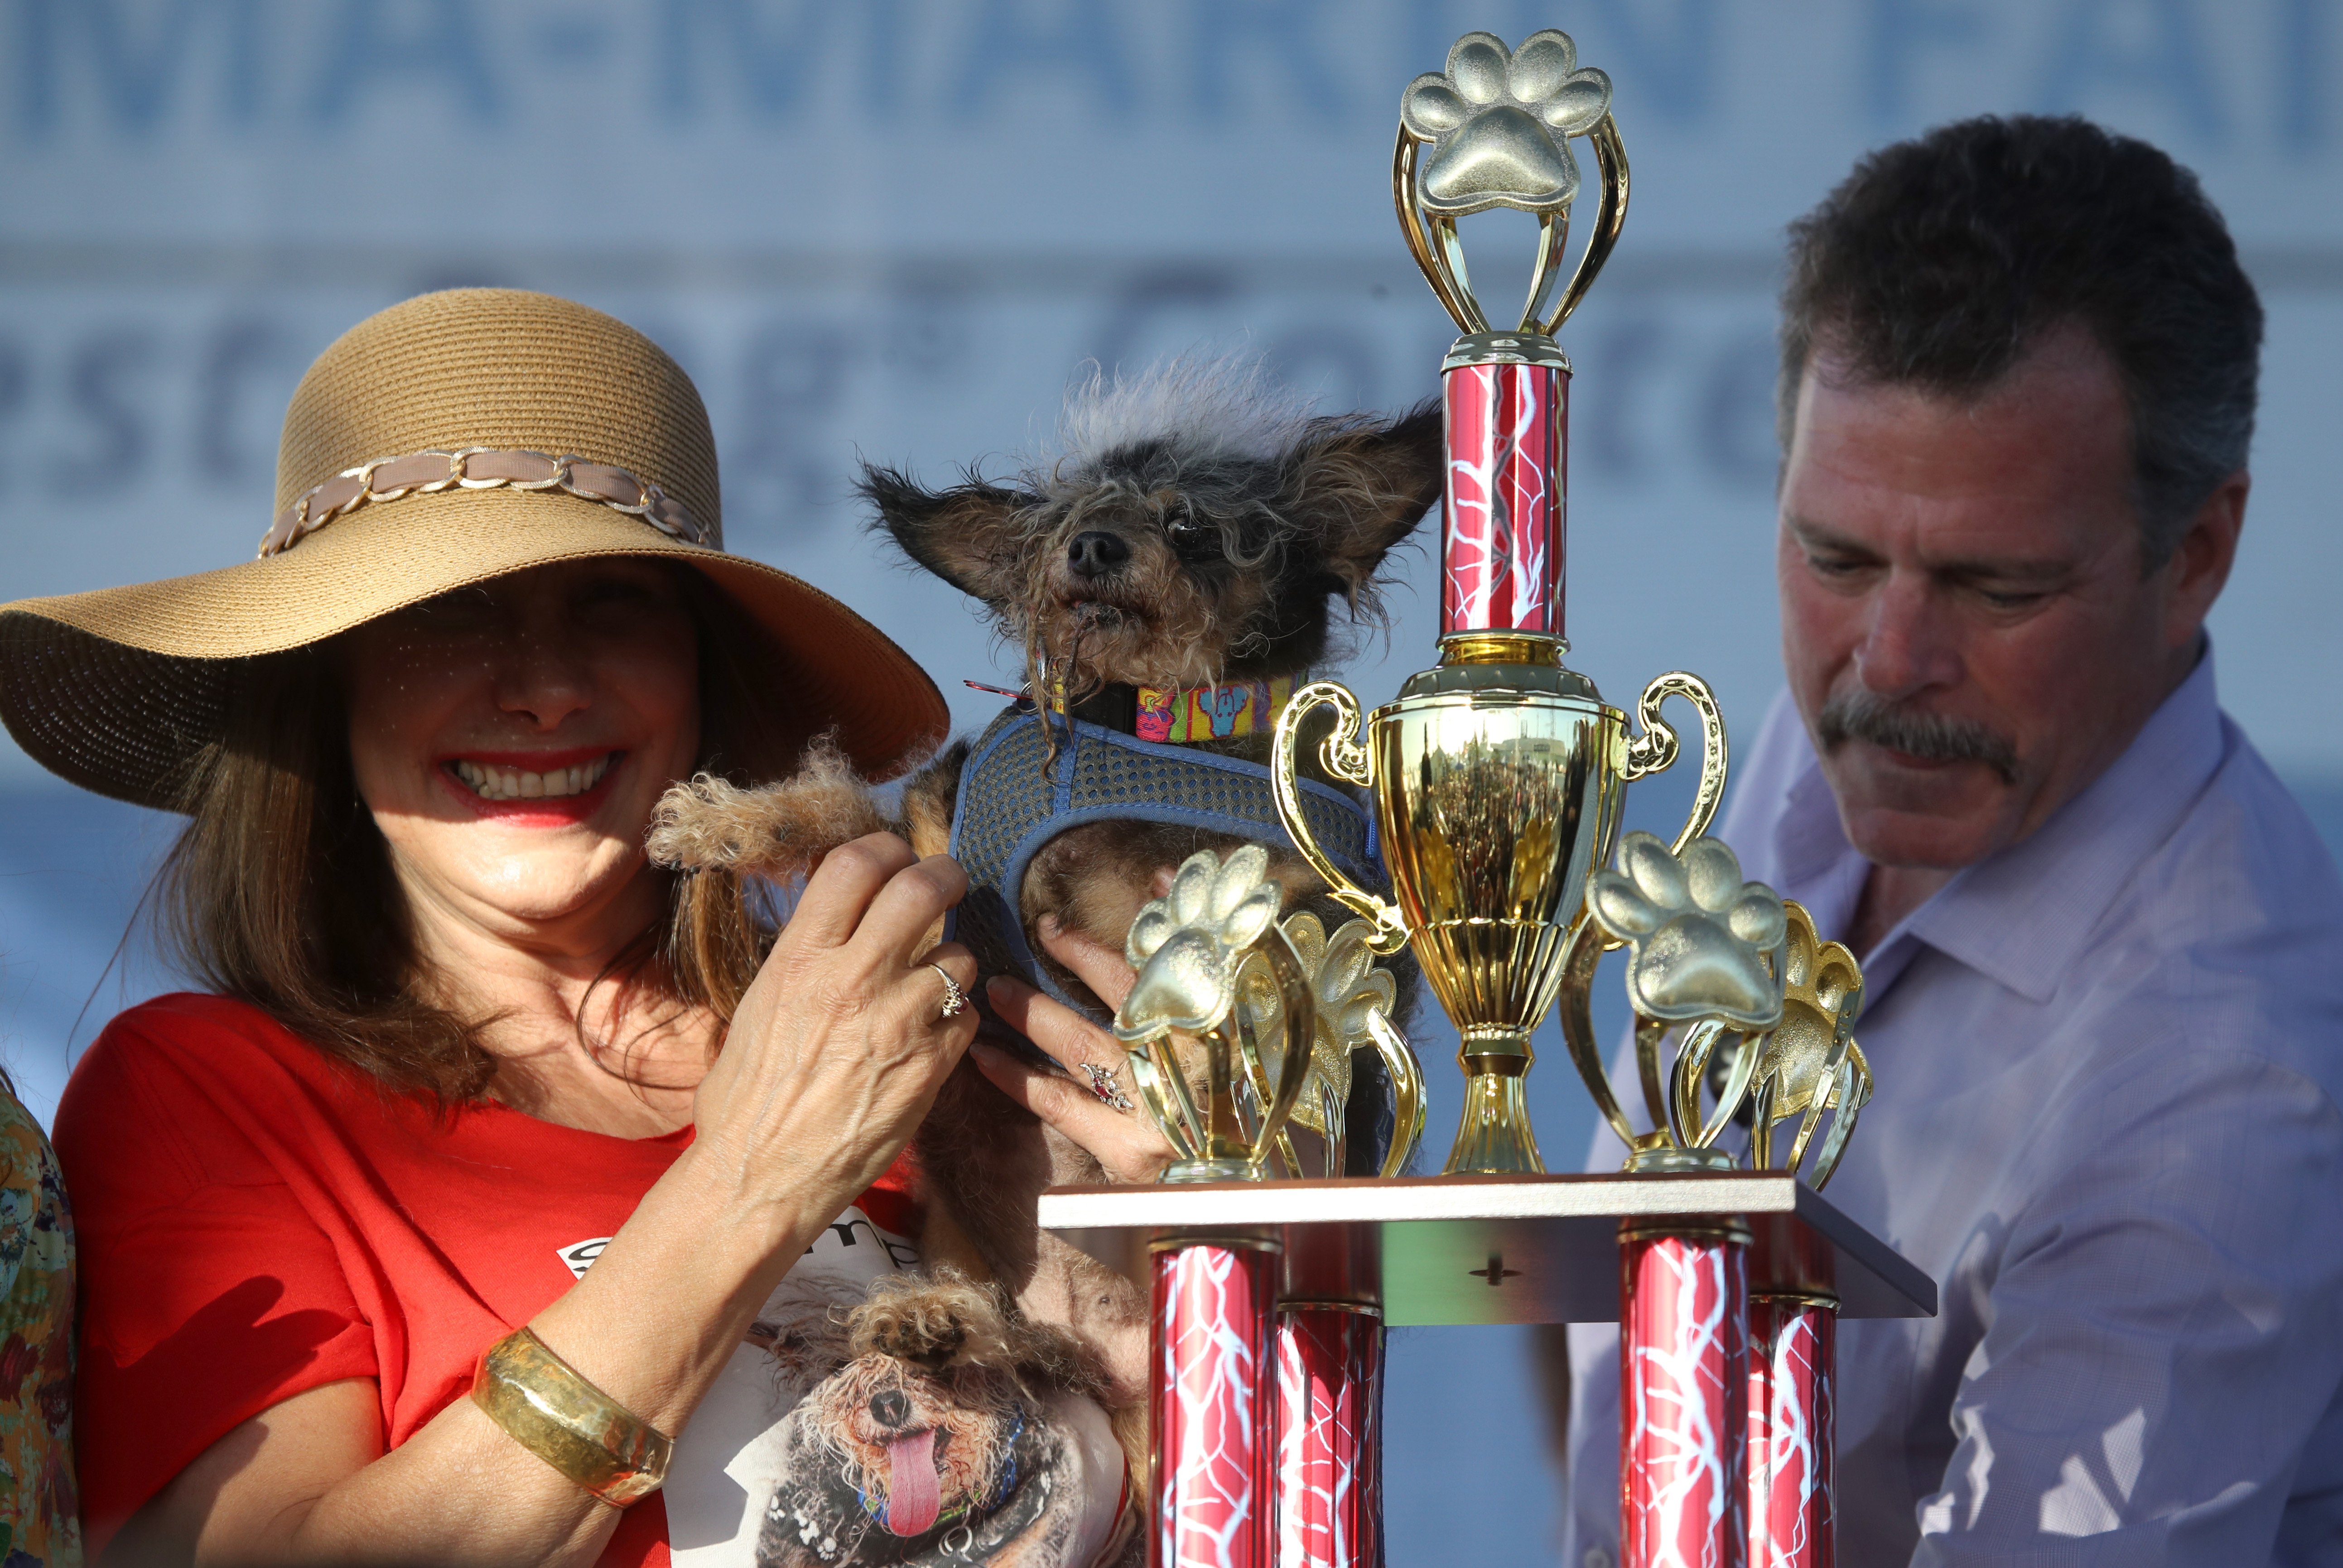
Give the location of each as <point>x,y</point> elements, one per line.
<point>479,468</point>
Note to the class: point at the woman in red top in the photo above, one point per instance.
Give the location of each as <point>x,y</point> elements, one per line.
<point>460,1077</point>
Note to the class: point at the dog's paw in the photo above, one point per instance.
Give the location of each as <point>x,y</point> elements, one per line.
<point>1498,122</point>
<point>782,829</point>
<point>939,1321</point>
<point>1703,943</point>
<point>700,824</point>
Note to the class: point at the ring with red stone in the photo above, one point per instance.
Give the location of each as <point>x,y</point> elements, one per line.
<point>1106,1082</point>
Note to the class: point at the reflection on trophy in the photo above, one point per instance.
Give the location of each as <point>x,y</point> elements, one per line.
<point>1498,779</point>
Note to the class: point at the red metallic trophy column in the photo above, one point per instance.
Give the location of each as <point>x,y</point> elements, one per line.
<point>1330,1503</point>
<point>1792,1436</point>
<point>1216,1391</point>
<point>1503,532</point>
<point>1683,1375</point>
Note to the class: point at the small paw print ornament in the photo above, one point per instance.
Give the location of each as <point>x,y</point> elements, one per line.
<point>1189,945</point>
<point>1822,993</point>
<point>1702,944</point>
<point>1498,121</point>
<point>1347,985</point>
<point>1214,967</point>
<point>1811,1062</point>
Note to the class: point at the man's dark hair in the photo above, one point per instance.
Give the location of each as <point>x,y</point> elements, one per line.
<point>1940,261</point>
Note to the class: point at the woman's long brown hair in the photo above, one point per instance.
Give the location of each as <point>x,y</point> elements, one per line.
<point>279,891</point>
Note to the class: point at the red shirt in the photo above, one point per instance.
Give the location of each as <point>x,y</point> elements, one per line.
<point>256,1220</point>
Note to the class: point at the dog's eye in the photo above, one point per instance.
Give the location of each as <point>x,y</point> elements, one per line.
<point>1184,530</point>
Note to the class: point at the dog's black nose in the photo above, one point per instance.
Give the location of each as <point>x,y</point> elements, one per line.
<point>891,1408</point>
<point>1095,554</point>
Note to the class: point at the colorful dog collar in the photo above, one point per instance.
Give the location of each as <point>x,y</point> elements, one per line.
<point>1185,715</point>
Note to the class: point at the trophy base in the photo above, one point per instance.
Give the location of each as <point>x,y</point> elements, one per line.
<point>1494,1137</point>
<point>1214,1170</point>
<point>1673,1161</point>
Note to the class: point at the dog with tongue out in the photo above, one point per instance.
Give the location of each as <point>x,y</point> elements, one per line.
<point>949,1431</point>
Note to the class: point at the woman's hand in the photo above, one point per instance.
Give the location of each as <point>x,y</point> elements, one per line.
<point>842,1041</point>
<point>1125,1141</point>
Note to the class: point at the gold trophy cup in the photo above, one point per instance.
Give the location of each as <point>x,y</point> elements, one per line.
<point>1498,780</point>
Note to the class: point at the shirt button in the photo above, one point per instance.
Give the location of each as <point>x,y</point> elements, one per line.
<point>1597,1558</point>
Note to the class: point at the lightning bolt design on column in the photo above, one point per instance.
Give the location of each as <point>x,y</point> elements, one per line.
<point>1792,1345</point>
<point>1503,551</point>
<point>1524,478</point>
<point>1475,551</point>
<point>1686,1378</point>
<point>1213,1404</point>
<point>1329,1441</point>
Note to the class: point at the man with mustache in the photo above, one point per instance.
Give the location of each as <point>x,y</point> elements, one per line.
<point>2104,947</point>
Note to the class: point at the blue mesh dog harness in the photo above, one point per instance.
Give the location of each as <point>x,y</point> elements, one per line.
<point>1015,797</point>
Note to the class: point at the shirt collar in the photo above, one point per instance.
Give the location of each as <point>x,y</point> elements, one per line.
<point>2021,916</point>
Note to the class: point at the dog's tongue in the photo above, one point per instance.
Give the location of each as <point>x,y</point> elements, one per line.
<point>914,1496</point>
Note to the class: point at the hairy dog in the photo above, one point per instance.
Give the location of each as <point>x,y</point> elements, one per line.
<point>1193,528</point>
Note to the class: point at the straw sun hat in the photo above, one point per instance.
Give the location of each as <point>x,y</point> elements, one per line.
<point>447,441</point>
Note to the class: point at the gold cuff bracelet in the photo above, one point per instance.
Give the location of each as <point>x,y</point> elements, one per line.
<point>546,1406</point>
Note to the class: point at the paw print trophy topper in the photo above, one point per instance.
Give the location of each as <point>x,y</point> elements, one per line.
<point>1494,130</point>
<point>1218,1077</point>
<point>1705,951</point>
<point>1810,1064</point>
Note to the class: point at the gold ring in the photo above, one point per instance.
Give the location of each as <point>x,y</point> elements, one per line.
<point>955,998</point>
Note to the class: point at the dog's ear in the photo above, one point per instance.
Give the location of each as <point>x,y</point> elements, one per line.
<point>1364,485</point>
<point>966,535</point>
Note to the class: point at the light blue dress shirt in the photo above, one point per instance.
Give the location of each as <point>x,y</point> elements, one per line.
<point>2110,1060</point>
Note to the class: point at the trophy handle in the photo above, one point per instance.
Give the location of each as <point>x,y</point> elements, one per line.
<point>1407,1084</point>
<point>1345,759</point>
<point>1578,962</point>
<point>1656,749</point>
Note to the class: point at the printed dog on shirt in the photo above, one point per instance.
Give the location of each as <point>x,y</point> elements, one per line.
<point>947,1431</point>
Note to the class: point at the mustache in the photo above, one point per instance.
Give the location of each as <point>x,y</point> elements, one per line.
<point>1860,714</point>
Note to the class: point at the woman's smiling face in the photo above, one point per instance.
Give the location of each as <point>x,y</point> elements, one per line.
<point>512,738</point>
